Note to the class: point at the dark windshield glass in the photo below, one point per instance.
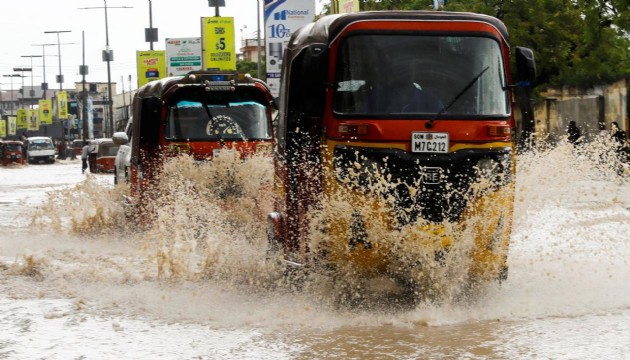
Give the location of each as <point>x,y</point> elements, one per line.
<point>400,75</point>
<point>12,147</point>
<point>217,116</point>
<point>40,144</point>
<point>107,149</point>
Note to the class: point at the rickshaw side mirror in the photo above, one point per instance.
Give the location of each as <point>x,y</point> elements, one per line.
<point>120,138</point>
<point>525,65</point>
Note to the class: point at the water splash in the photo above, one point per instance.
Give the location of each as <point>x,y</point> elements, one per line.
<point>209,231</point>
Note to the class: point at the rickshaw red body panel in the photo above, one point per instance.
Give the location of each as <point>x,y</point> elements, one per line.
<point>11,153</point>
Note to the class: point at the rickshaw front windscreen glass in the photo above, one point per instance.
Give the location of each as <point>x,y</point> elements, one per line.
<point>219,117</point>
<point>401,74</point>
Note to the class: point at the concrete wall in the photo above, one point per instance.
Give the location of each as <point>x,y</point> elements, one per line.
<point>590,108</point>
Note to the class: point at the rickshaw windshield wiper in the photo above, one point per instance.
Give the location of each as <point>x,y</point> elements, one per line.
<point>217,133</point>
<point>429,124</point>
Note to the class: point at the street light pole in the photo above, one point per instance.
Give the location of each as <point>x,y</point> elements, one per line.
<point>44,85</point>
<point>60,76</point>
<point>12,76</point>
<point>31,92</point>
<point>258,37</point>
<point>22,70</point>
<point>151,34</point>
<point>108,56</point>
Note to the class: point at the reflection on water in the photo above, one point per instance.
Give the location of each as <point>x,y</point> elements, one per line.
<point>200,272</point>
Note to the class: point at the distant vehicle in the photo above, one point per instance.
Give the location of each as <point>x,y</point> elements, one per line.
<point>102,154</point>
<point>40,149</point>
<point>201,114</point>
<point>123,157</point>
<point>11,152</point>
<point>77,145</point>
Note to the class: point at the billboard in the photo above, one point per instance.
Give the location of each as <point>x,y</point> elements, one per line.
<point>45,112</point>
<point>21,118</point>
<point>151,65</point>
<point>12,125</point>
<point>62,105</point>
<point>282,18</point>
<point>345,6</point>
<point>217,39</point>
<point>32,119</point>
<point>183,55</point>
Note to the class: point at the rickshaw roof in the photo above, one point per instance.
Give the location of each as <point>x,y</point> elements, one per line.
<point>156,88</point>
<point>12,142</point>
<point>327,28</point>
<point>32,138</point>
<point>101,141</point>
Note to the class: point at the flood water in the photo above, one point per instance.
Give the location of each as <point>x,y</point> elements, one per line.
<point>77,283</point>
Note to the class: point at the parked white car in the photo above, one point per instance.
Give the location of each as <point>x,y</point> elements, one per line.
<point>123,157</point>
<point>40,149</point>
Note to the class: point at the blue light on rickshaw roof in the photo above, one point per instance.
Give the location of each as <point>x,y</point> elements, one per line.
<point>218,77</point>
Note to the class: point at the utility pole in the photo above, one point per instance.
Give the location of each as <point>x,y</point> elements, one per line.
<point>60,76</point>
<point>130,99</point>
<point>31,93</point>
<point>150,33</point>
<point>258,38</point>
<point>108,56</point>
<point>12,100</point>
<point>216,4</point>
<point>83,70</point>
<point>44,85</point>
<point>22,70</point>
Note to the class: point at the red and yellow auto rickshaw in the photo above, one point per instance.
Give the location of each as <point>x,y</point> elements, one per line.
<point>102,155</point>
<point>396,144</point>
<point>202,114</point>
<point>12,152</point>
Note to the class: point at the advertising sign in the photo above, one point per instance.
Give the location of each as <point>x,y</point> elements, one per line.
<point>282,18</point>
<point>183,55</point>
<point>3,128</point>
<point>32,119</point>
<point>21,118</point>
<point>151,65</point>
<point>45,112</point>
<point>217,39</point>
<point>12,125</point>
<point>62,105</point>
<point>345,6</point>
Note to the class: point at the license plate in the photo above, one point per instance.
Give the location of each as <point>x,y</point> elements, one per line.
<point>429,142</point>
<point>222,153</point>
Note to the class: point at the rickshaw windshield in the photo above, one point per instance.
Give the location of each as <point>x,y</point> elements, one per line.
<point>217,116</point>
<point>107,150</point>
<point>12,147</point>
<point>400,75</point>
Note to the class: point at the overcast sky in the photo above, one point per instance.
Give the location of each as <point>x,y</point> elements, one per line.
<point>23,23</point>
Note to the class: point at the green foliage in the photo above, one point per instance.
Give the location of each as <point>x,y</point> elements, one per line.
<point>249,67</point>
<point>576,42</point>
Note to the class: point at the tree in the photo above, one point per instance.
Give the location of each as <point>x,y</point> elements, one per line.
<point>576,42</point>
<point>249,67</point>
